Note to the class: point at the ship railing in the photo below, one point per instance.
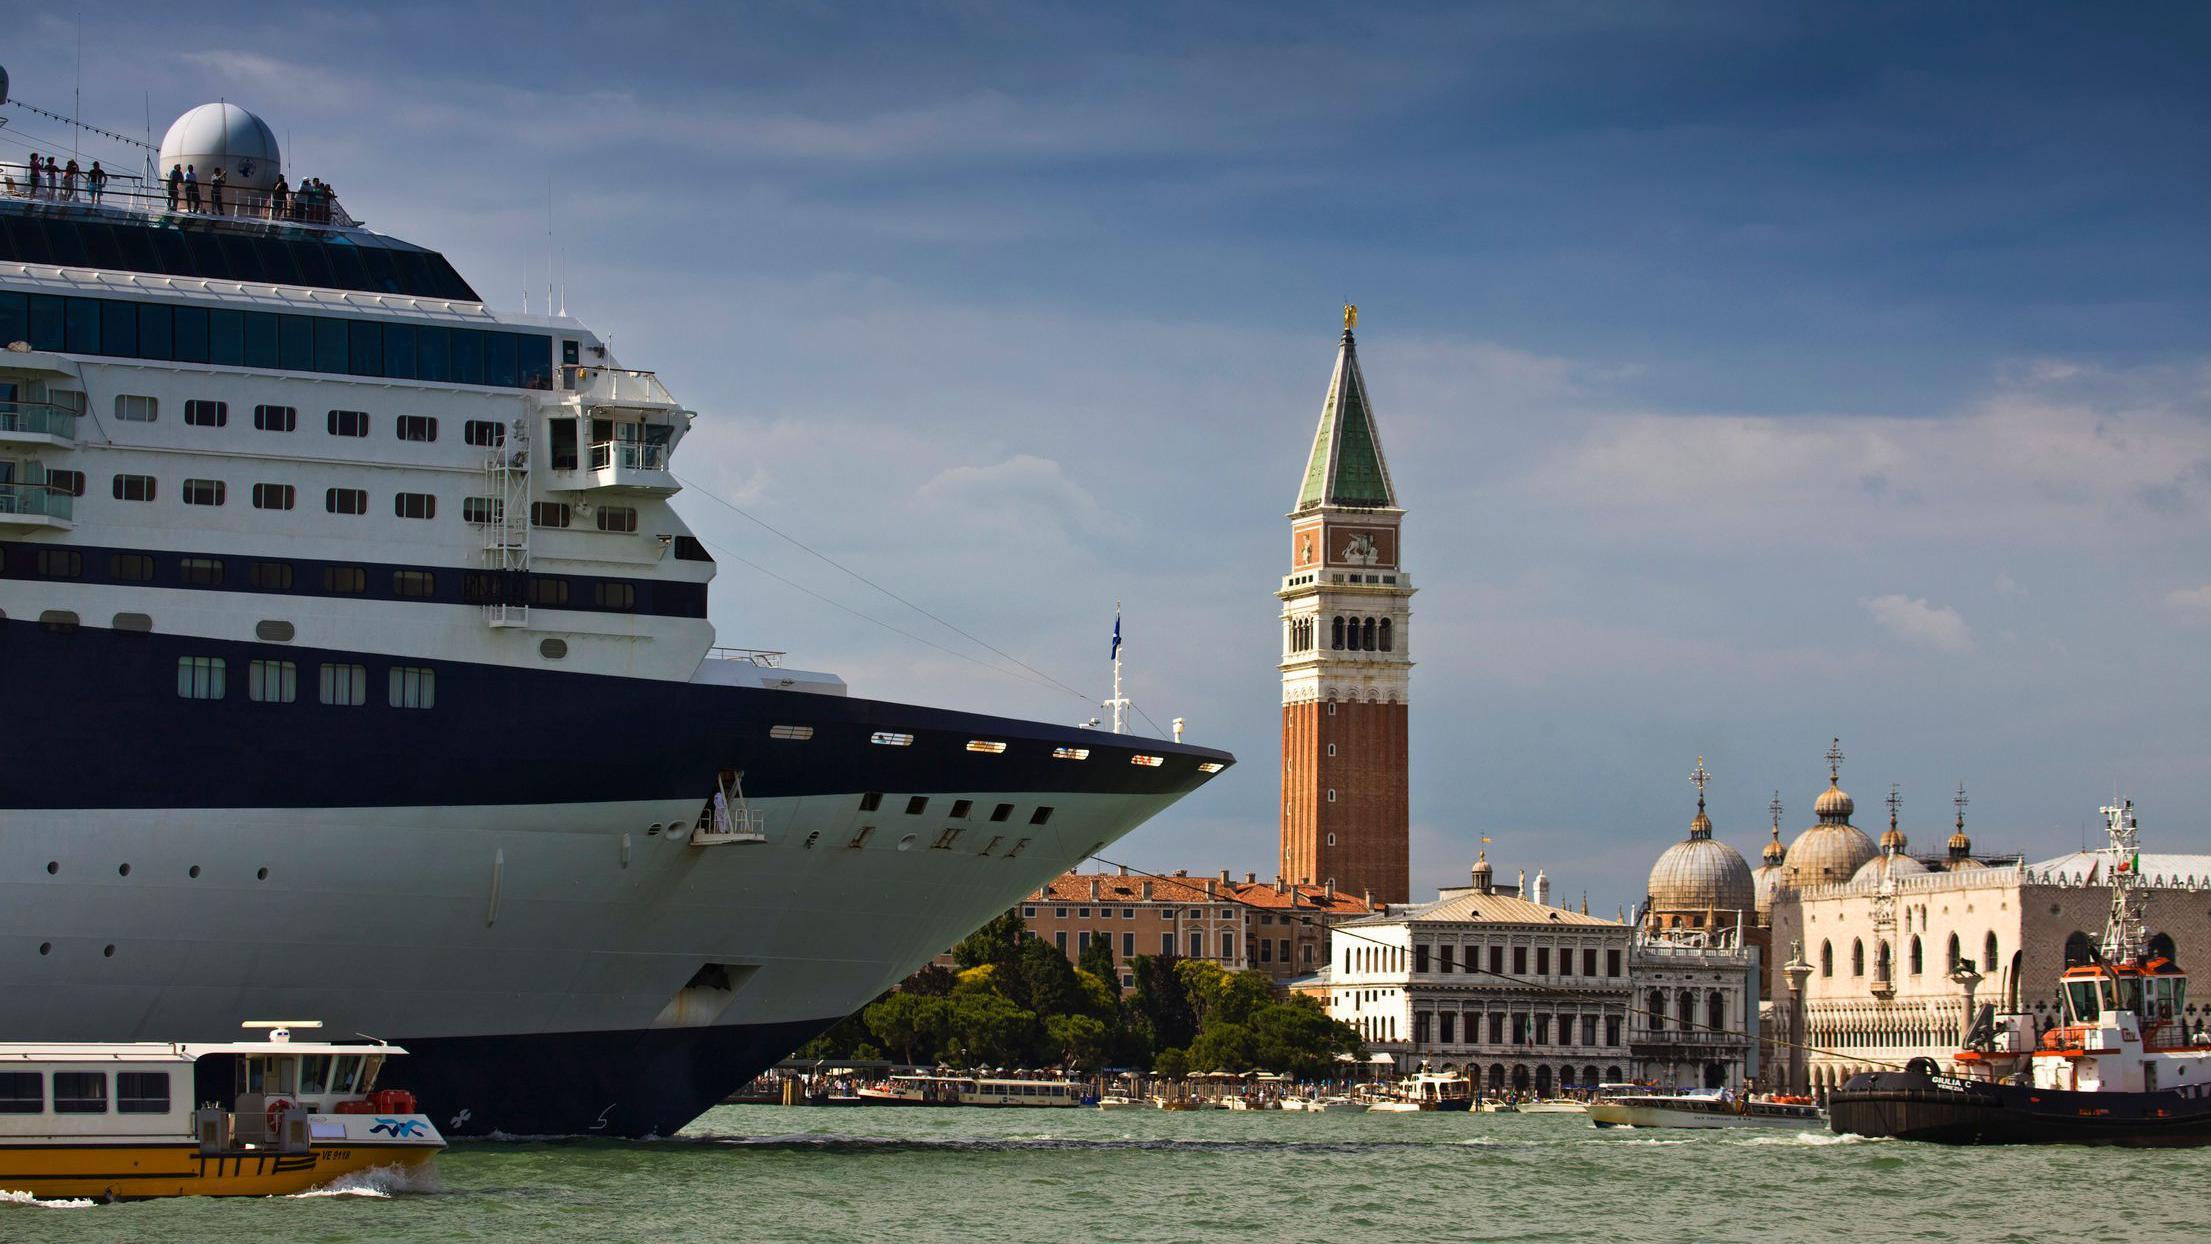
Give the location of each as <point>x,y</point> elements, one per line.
<point>629,455</point>
<point>615,386</point>
<point>38,418</point>
<point>765,658</point>
<point>37,500</point>
<point>131,194</point>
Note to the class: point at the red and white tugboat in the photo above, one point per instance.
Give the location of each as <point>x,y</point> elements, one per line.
<point>2123,1070</point>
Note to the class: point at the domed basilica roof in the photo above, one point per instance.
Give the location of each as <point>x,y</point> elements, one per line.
<point>1699,874</point>
<point>1832,850</point>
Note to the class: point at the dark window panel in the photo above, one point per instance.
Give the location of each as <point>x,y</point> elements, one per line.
<point>206,252</point>
<point>66,243</point>
<point>277,263</point>
<point>534,361</point>
<point>100,249</point>
<point>298,343</point>
<point>191,335</point>
<point>499,359</point>
<point>15,317</point>
<point>241,257</point>
<point>226,337</point>
<point>170,252</point>
<point>433,353</point>
<point>365,348</point>
<point>346,271</point>
<point>314,264</point>
<point>331,346</point>
<point>261,339</point>
<point>468,356</point>
<point>382,274</point>
<point>399,351</point>
<point>83,334</point>
<point>46,322</point>
<point>118,328</point>
<point>154,336</point>
<point>137,249</point>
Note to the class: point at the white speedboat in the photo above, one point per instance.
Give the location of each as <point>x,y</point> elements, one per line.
<point>1704,1111</point>
<point>1118,1101</point>
<point>1559,1105</point>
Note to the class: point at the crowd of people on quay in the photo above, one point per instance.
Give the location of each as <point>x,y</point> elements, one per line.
<point>183,188</point>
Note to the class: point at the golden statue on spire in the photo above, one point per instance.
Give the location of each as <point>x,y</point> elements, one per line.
<point>1351,315</point>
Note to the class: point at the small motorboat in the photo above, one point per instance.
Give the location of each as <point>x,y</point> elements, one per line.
<point>1121,1101</point>
<point>1498,1105</point>
<point>1556,1105</point>
<point>1703,1111</point>
<point>115,1120</point>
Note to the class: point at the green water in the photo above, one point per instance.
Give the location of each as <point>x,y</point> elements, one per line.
<point>906,1175</point>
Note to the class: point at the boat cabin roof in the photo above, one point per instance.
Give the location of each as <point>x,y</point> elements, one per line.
<point>171,1051</point>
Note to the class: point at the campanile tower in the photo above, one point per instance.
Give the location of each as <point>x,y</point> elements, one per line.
<point>1346,659</point>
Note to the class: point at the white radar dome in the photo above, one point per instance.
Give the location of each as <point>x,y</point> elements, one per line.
<point>223,136</point>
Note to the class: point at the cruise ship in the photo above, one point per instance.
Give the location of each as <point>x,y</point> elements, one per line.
<point>359,670</point>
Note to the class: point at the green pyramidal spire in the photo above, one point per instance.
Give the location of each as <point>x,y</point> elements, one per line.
<point>1347,467</point>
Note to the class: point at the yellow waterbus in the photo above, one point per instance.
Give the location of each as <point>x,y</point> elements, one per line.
<point>116,1120</point>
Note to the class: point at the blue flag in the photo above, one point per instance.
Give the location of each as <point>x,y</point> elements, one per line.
<point>1116,637</point>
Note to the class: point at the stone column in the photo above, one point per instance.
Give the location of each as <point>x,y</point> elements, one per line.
<point>1798,971</point>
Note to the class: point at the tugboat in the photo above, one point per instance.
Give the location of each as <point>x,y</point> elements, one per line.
<point>2122,1070</point>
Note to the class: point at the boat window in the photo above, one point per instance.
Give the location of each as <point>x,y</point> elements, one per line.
<point>2080,997</point>
<point>370,1065</point>
<point>22,1092</point>
<point>314,1074</point>
<point>142,1092</point>
<point>80,1092</point>
<point>284,1075</point>
<point>2130,995</point>
<point>341,1079</point>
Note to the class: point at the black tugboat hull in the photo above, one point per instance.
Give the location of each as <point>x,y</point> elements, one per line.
<point>1944,1110</point>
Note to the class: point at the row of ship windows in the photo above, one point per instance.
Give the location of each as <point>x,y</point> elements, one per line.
<point>616,519</point>
<point>477,587</point>
<point>309,343</point>
<point>277,682</point>
<point>918,805</point>
<point>945,841</point>
<point>205,413</point>
<point>269,630</point>
<point>987,747</point>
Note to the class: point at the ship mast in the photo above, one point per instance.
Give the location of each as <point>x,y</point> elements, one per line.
<point>2123,940</point>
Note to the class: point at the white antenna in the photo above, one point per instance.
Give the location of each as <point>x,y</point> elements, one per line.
<point>1119,703</point>
<point>548,244</point>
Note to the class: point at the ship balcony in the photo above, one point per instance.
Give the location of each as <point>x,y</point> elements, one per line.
<point>38,423</point>
<point>24,506</point>
<point>615,388</point>
<point>615,466</point>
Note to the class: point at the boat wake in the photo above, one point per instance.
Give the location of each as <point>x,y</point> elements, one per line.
<point>27,1201</point>
<point>382,1183</point>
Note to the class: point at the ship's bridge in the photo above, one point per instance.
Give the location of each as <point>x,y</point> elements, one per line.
<point>611,430</point>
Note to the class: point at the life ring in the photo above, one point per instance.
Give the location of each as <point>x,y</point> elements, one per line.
<point>277,1107</point>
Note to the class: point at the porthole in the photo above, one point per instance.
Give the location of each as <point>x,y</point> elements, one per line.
<point>108,952</point>
<point>552,649</point>
<point>45,948</point>
<point>133,623</point>
<point>906,843</point>
<point>193,871</point>
<point>52,867</point>
<point>273,630</point>
<point>122,870</point>
<point>261,875</point>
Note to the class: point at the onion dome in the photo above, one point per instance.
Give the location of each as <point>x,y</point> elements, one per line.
<point>1961,847</point>
<point>1888,864</point>
<point>223,136</point>
<point>1699,874</point>
<point>1766,881</point>
<point>1832,850</point>
<point>1893,839</point>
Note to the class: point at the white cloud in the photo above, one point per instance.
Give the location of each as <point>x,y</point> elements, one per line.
<point>1911,618</point>
<point>2192,603</point>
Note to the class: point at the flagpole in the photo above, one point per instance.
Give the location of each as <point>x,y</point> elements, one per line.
<point>1119,705</point>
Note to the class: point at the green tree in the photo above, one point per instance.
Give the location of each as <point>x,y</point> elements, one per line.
<point>1047,980</point>
<point>996,942</point>
<point>1160,1007</point>
<point>1079,1039</point>
<point>931,980</point>
<point>1296,1036</point>
<point>1224,1047</point>
<point>1203,983</point>
<point>912,1024</point>
<point>1241,995</point>
<point>1097,959</point>
<point>1172,1064</point>
<point>989,1028</point>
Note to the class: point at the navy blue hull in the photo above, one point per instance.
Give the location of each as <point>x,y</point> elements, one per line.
<point>629,1084</point>
<point>497,735</point>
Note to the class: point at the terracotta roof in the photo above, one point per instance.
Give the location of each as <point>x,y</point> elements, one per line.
<point>1182,891</point>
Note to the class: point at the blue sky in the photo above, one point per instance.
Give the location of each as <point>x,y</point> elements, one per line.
<point>1754,374</point>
